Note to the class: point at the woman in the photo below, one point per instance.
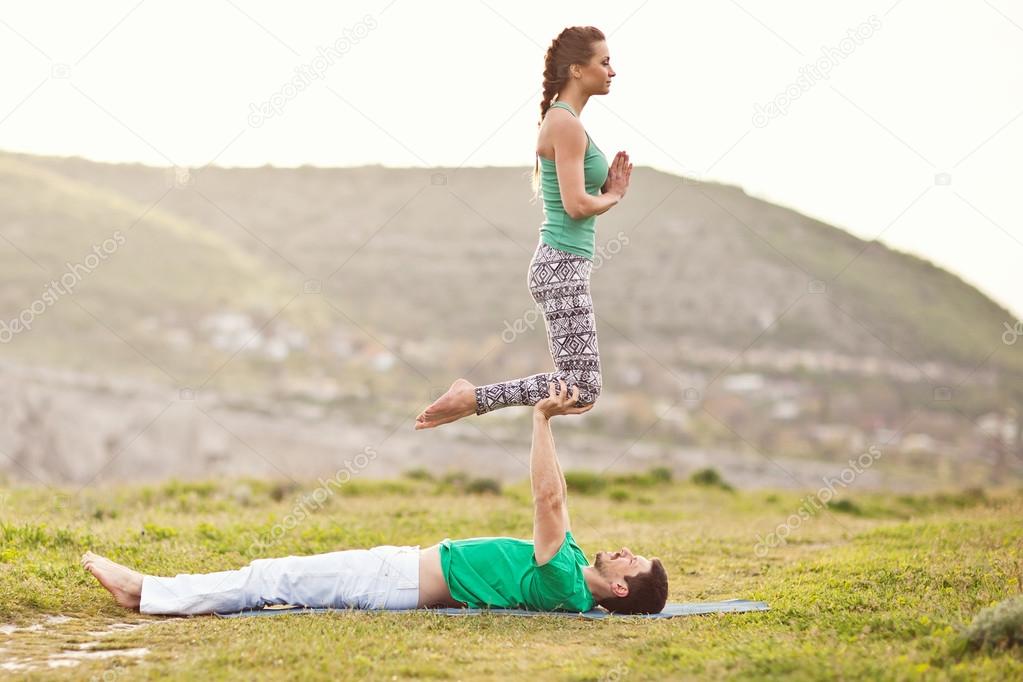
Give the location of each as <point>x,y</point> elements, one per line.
<point>578,185</point>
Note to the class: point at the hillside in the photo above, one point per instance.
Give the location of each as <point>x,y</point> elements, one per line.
<point>103,281</point>
<point>403,252</point>
<point>349,298</point>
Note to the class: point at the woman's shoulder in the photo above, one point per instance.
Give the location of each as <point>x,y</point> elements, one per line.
<point>561,116</point>
<point>558,123</point>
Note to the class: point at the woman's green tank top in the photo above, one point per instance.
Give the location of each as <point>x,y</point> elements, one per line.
<point>559,230</point>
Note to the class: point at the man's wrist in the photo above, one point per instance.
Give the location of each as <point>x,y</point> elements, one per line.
<point>540,414</point>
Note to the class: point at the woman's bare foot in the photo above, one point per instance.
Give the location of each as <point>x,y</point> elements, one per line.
<point>458,402</point>
<point>122,582</point>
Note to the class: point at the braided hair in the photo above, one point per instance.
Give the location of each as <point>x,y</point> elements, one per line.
<point>574,45</point>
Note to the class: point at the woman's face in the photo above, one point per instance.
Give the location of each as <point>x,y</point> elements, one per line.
<point>597,74</point>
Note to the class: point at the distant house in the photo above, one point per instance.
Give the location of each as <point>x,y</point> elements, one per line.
<point>838,435</point>
<point>997,426</point>
<point>920,442</point>
<point>785,410</point>
<point>382,361</point>
<point>743,383</point>
<point>233,331</point>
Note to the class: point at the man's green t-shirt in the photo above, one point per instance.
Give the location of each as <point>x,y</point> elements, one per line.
<point>501,572</point>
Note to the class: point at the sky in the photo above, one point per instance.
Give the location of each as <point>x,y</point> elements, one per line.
<point>899,120</point>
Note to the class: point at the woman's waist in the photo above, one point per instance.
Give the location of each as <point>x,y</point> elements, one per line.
<point>564,222</point>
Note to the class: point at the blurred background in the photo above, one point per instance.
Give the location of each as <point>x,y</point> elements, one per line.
<point>244,239</point>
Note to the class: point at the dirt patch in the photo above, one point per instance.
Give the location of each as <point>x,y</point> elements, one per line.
<point>59,641</point>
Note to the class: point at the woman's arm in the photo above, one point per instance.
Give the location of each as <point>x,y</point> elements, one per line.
<point>605,210</point>
<point>619,174</point>
<point>595,205</point>
<point>570,142</point>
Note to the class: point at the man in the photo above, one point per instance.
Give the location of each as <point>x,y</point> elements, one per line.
<point>549,573</point>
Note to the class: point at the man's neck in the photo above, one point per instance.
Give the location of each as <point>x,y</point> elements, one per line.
<point>597,584</point>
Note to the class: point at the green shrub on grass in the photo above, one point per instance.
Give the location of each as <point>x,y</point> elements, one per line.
<point>585,482</point>
<point>590,483</point>
<point>652,477</point>
<point>997,627</point>
<point>418,475</point>
<point>455,478</point>
<point>281,489</point>
<point>619,494</point>
<point>969,497</point>
<point>151,531</point>
<point>100,513</point>
<point>846,506</point>
<point>660,475</point>
<point>481,486</point>
<point>710,478</point>
<point>929,504</point>
<point>30,535</point>
<point>460,482</point>
<point>354,488</point>
<point>208,531</point>
<point>175,488</point>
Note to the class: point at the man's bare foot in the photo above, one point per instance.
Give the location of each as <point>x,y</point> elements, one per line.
<point>458,402</point>
<point>122,582</point>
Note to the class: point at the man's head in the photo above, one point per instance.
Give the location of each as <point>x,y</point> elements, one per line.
<point>636,584</point>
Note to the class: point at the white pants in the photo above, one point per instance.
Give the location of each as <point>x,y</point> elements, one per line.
<point>384,577</point>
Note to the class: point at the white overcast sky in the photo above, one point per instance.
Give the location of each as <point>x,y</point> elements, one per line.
<point>927,88</point>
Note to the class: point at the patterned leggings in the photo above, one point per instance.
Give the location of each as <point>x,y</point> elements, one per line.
<point>560,284</point>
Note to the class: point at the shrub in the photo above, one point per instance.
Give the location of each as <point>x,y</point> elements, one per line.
<point>585,482</point>
<point>456,478</point>
<point>652,477</point>
<point>355,488</point>
<point>969,497</point>
<point>619,494</point>
<point>479,486</point>
<point>711,478</point>
<point>418,475</point>
<point>997,627</point>
<point>155,532</point>
<point>459,482</point>
<point>208,531</point>
<point>847,506</point>
<point>176,488</point>
<point>281,489</point>
<point>638,480</point>
<point>39,535</point>
<point>100,513</point>
<point>660,475</point>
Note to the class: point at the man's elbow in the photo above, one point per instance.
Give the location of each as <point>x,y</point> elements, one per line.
<point>553,500</point>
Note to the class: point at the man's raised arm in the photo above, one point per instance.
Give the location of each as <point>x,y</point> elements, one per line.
<point>550,506</point>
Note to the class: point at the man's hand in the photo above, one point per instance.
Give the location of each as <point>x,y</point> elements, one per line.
<point>562,403</point>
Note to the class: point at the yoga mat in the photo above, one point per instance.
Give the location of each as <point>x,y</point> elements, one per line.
<point>670,610</point>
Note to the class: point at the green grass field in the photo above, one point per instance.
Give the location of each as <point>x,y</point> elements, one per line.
<point>876,586</point>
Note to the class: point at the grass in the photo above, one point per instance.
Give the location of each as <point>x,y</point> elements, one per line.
<point>879,587</point>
